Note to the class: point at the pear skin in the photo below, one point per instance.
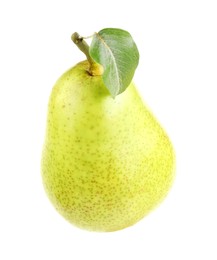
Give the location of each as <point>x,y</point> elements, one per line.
<point>106,162</point>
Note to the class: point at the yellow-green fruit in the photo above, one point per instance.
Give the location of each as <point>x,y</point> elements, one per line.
<point>106,162</point>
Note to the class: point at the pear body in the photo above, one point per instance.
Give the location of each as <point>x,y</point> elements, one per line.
<point>106,162</point>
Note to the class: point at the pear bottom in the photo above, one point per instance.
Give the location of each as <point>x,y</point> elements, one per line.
<point>106,162</point>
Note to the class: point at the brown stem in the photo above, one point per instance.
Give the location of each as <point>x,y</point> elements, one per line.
<point>95,69</point>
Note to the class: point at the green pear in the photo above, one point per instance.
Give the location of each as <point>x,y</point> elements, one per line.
<point>106,161</point>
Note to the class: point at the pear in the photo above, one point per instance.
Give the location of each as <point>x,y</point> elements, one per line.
<point>106,161</point>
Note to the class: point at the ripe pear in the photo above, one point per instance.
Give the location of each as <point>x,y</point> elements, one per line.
<point>106,161</point>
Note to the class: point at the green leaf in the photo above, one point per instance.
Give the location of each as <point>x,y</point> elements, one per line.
<point>116,51</point>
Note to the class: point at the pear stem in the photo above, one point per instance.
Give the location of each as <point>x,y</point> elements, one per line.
<point>95,69</point>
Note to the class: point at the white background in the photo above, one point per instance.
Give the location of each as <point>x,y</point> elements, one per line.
<point>177,77</point>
